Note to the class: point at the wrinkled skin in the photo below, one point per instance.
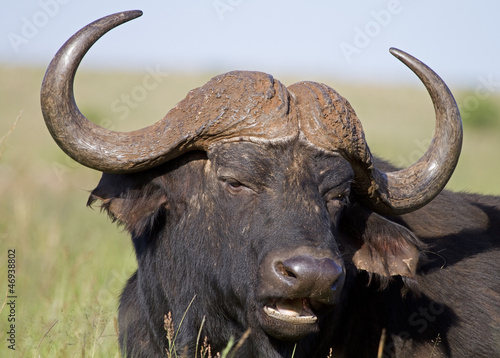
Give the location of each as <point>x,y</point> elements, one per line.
<point>203,224</point>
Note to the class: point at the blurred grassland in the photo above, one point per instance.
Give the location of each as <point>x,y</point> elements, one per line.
<point>71,263</point>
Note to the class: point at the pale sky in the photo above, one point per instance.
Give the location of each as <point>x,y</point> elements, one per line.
<point>346,39</point>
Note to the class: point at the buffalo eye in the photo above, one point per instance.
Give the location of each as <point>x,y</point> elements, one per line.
<point>234,186</point>
<point>336,201</point>
<point>341,199</point>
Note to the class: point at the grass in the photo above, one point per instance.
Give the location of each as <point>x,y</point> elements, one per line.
<point>71,263</point>
<point>204,349</point>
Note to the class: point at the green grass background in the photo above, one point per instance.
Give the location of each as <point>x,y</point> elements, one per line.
<point>71,263</point>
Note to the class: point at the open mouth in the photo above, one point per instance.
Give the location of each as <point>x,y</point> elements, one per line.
<point>290,319</point>
<point>294,311</point>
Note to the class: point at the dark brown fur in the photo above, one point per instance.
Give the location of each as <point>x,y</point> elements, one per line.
<point>193,237</point>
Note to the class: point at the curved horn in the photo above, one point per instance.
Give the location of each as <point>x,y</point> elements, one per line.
<point>81,139</point>
<point>207,114</point>
<point>329,122</point>
<point>84,141</point>
<point>409,189</point>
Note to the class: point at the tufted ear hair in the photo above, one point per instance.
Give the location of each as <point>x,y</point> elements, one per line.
<point>137,200</point>
<point>131,199</point>
<point>378,245</point>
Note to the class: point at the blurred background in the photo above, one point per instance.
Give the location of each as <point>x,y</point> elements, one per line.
<point>71,262</point>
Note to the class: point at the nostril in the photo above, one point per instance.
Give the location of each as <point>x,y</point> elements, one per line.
<point>301,267</point>
<point>290,274</point>
<point>284,271</point>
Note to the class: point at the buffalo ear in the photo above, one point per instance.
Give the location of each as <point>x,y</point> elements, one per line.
<point>379,245</point>
<point>127,201</point>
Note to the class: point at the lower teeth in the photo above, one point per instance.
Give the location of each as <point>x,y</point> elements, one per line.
<point>289,316</point>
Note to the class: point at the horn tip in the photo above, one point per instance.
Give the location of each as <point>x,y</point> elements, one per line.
<point>397,52</point>
<point>406,58</point>
<point>132,14</point>
<point>137,13</point>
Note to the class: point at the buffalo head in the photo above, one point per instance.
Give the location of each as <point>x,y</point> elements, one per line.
<point>262,199</point>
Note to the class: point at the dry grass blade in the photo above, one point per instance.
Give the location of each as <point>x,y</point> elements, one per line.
<point>5,301</point>
<point>206,350</point>
<point>242,340</point>
<point>3,140</point>
<point>169,327</point>
<point>381,343</point>
<point>436,342</point>
<point>198,338</point>
<point>45,335</point>
<point>184,316</point>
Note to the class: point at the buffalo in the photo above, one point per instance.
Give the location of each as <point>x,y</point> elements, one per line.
<point>257,212</point>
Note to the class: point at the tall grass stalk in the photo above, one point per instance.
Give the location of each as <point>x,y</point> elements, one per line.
<point>45,335</point>
<point>240,343</point>
<point>198,337</point>
<point>381,343</point>
<point>4,138</point>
